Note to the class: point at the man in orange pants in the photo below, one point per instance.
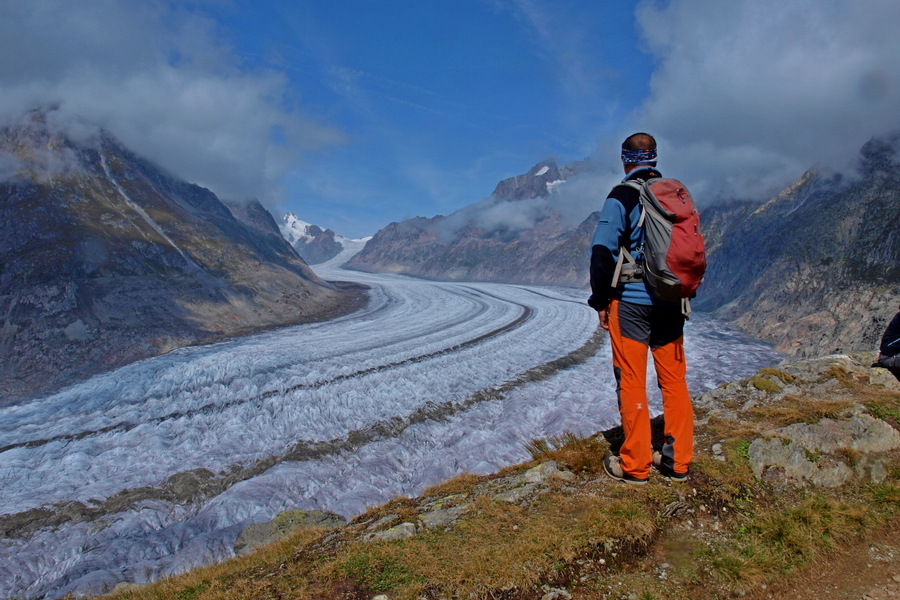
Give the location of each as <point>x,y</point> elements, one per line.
<point>638,321</point>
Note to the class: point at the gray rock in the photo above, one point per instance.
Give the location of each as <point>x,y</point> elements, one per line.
<point>383,522</point>
<point>78,332</point>
<point>878,472</point>
<point>556,594</point>
<point>862,433</point>
<point>517,494</point>
<point>400,532</point>
<point>792,459</point>
<point>884,378</point>
<point>445,501</point>
<point>545,472</point>
<point>442,517</point>
<point>287,522</point>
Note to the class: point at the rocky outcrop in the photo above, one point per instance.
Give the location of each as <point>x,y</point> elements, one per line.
<point>837,440</point>
<point>321,248</point>
<point>105,259</point>
<point>815,270</point>
<point>429,512</point>
<point>283,525</point>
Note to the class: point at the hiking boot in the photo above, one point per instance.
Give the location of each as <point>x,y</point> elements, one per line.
<point>613,467</point>
<point>665,471</point>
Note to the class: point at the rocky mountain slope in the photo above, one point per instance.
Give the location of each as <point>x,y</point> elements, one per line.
<point>484,242</point>
<point>105,259</point>
<point>816,269</point>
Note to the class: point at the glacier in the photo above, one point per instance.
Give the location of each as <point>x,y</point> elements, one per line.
<point>338,415</point>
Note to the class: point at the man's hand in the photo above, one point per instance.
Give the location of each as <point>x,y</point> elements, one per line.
<point>604,318</point>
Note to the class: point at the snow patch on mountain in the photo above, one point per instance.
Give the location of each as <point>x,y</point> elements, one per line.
<point>315,244</point>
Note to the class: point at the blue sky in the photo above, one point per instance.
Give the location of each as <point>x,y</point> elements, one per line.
<point>438,101</point>
<point>356,114</point>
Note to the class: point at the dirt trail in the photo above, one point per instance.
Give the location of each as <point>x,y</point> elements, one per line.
<point>860,571</point>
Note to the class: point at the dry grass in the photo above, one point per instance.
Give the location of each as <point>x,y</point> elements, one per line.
<point>792,409</point>
<point>849,456</point>
<point>776,542</point>
<point>461,484</point>
<point>784,376</point>
<point>725,428</point>
<point>578,454</point>
<point>506,547</point>
<point>239,578</point>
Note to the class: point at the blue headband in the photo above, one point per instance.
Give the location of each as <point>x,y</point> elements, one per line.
<point>638,157</point>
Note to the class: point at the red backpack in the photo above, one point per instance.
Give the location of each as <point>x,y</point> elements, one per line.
<point>672,258</point>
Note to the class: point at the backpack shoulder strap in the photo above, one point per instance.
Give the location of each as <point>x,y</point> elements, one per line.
<point>624,253</point>
<point>637,185</point>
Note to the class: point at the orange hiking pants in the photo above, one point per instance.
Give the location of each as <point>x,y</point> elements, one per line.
<point>634,328</point>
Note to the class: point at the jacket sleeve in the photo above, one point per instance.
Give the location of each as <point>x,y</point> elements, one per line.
<point>605,251</point>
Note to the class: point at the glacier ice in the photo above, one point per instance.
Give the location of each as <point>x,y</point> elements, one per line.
<point>230,405</point>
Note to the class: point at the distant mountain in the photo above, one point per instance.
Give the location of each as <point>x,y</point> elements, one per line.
<point>316,245</point>
<point>485,241</point>
<point>106,259</point>
<point>815,270</point>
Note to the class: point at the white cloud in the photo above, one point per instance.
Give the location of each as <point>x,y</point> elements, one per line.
<point>161,79</point>
<point>747,94</point>
<point>570,201</point>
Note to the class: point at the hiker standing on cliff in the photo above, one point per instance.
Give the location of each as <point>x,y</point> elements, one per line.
<point>889,352</point>
<point>637,319</point>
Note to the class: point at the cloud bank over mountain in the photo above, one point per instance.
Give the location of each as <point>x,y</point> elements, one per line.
<point>743,96</point>
<point>165,81</point>
<point>748,94</point>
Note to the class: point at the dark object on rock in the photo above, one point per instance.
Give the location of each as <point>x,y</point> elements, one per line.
<point>889,357</point>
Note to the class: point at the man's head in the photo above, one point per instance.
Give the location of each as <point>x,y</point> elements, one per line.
<point>638,150</point>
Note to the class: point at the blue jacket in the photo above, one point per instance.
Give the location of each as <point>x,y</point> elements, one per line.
<point>617,228</point>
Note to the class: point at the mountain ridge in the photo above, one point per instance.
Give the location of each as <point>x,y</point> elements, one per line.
<point>815,270</point>
<point>106,259</point>
<point>463,247</point>
<point>842,265</point>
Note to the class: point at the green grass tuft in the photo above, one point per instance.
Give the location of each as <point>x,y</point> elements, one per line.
<point>765,385</point>
<point>192,592</point>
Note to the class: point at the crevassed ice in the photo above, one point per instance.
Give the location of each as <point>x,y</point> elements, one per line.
<point>239,401</point>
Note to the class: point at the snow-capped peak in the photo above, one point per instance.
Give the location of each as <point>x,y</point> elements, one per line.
<point>294,229</point>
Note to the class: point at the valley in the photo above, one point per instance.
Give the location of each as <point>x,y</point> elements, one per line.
<point>428,381</point>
